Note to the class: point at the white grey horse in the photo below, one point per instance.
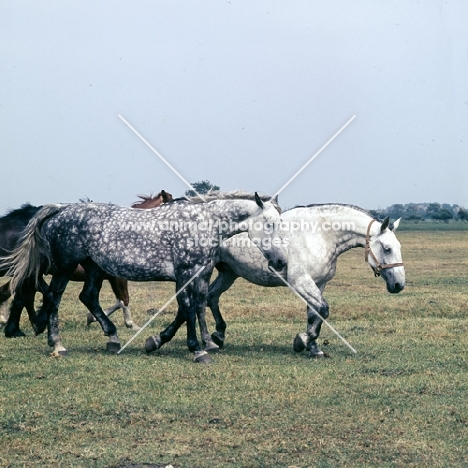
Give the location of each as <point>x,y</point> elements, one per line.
<point>178,242</point>
<point>315,235</point>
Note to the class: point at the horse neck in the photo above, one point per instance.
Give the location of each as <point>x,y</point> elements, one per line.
<point>230,213</point>
<point>353,226</point>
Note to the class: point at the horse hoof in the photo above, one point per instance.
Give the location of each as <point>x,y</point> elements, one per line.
<point>113,347</point>
<point>211,347</point>
<point>15,334</point>
<point>320,355</point>
<point>152,343</point>
<point>90,319</point>
<point>133,326</point>
<point>300,342</point>
<point>58,354</point>
<point>202,357</point>
<point>218,340</point>
<point>39,327</point>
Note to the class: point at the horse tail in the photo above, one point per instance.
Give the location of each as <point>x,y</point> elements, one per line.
<point>31,256</point>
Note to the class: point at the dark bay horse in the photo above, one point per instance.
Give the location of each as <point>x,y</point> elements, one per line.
<point>177,242</point>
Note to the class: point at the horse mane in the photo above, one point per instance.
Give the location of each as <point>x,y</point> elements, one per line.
<point>144,198</point>
<point>18,213</point>
<point>330,205</point>
<point>217,195</point>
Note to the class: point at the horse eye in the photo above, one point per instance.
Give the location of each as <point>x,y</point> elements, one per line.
<point>387,249</point>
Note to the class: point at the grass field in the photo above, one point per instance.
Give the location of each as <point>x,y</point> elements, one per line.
<point>401,401</point>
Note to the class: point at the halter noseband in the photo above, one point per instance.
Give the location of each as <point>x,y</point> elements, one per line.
<point>368,252</point>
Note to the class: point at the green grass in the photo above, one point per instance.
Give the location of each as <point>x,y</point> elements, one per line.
<point>401,401</point>
<point>433,225</point>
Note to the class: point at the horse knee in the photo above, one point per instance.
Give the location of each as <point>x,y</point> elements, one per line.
<point>324,310</point>
<point>88,298</point>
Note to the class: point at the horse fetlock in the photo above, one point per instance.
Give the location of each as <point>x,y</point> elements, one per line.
<point>153,343</point>
<point>202,357</point>
<point>314,351</point>
<point>300,342</point>
<point>90,318</point>
<point>132,326</point>
<point>211,346</point>
<point>13,332</point>
<point>218,338</point>
<point>58,350</point>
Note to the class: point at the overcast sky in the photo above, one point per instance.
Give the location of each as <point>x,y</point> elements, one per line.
<point>242,93</point>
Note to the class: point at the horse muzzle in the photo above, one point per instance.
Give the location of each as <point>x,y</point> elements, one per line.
<point>395,288</point>
<point>277,264</point>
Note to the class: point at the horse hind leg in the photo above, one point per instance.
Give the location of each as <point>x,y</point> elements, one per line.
<point>3,313</point>
<point>120,288</point>
<point>5,294</point>
<point>89,296</point>
<point>12,328</point>
<point>220,285</point>
<point>50,306</point>
<point>23,298</point>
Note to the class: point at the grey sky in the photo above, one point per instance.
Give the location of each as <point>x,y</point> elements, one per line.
<point>238,92</point>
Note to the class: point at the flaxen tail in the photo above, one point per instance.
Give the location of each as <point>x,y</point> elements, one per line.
<point>31,256</point>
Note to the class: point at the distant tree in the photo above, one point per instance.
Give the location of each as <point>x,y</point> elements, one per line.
<point>201,187</point>
<point>414,218</point>
<point>463,214</point>
<point>396,211</point>
<point>432,209</point>
<point>443,215</point>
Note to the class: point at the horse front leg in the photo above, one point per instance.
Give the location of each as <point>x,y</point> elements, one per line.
<point>190,301</point>
<point>155,342</point>
<point>314,324</point>
<point>317,311</point>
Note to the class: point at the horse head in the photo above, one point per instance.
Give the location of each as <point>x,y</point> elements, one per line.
<point>383,253</point>
<point>263,232</point>
<point>148,201</point>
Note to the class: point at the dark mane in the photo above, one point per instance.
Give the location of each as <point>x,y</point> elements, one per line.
<point>346,205</point>
<point>26,210</point>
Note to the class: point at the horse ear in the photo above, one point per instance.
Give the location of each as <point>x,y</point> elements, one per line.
<point>258,200</point>
<point>274,199</point>
<point>396,224</point>
<point>385,224</point>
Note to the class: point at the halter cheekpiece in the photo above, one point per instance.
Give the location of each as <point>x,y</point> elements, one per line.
<point>377,269</point>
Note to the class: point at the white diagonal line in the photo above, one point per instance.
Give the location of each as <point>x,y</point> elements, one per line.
<point>313,310</point>
<point>315,155</point>
<point>159,156</point>
<point>161,309</point>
